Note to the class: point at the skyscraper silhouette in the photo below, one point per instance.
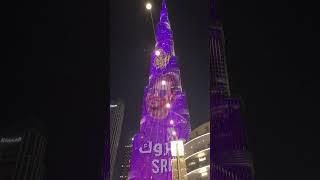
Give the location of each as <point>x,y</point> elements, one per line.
<point>230,158</point>
<point>22,155</point>
<point>117,109</point>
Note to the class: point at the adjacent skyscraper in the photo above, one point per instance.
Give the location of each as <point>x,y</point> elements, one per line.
<point>165,116</point>
<point>22,156</point>
<point>116,120</point>
<point>229,153</point>
<point>125,162</point>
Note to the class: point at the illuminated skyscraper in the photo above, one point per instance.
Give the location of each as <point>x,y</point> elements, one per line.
<point>165,116</point>
<point>229,153</point>
<point>116,120</point>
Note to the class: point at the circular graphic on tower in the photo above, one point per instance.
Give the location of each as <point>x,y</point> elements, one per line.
<point>160,96</point>
<point>161,59</point>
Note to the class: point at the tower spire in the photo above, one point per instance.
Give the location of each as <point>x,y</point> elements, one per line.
<point>164,39</point>
<point>165,115</point>
<point>164,13</point>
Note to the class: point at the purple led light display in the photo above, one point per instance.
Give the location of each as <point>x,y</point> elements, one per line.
<point>165,116</point>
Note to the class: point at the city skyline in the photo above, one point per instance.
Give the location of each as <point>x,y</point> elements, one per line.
<point>63,58</point>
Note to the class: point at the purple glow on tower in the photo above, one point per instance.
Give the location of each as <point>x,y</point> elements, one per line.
<point>165,116</point>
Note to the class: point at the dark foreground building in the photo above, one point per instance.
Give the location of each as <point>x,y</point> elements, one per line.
<point>22,156</point>
<point>229,153</point>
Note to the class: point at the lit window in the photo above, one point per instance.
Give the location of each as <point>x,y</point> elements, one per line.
<point>201,154</point>
<point>204,174</point>
<point>202,159</point>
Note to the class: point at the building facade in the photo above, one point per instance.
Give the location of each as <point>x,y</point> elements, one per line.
<point>116,120</point>
<point>22,156</point>
<point>125,162</point>
<point>165,116</point>
<point>230,156</point>
<point>197,153</point>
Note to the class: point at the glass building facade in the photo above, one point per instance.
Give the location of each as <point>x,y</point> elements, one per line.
<point>117,109</point>
<point>197,153</point>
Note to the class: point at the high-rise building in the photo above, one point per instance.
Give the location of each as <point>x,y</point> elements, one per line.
<point>125,162</point>
<point>22,156</point>
<point>197,153</point>
<point>165,116</point>
<point>116,119</point>
<point>230,156</point>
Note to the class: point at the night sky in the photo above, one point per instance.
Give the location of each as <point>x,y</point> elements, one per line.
<point>59,55</point>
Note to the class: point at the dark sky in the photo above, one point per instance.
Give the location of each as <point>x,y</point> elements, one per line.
<point>272,59</point>
<point>55,75</point>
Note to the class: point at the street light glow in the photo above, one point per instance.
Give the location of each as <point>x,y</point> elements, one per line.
<point>148,6</point>
<point>157,52</point>
<point>171,122</point>
<point>163,82</point>
<point>174,133</point>
<point>168,105</point>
